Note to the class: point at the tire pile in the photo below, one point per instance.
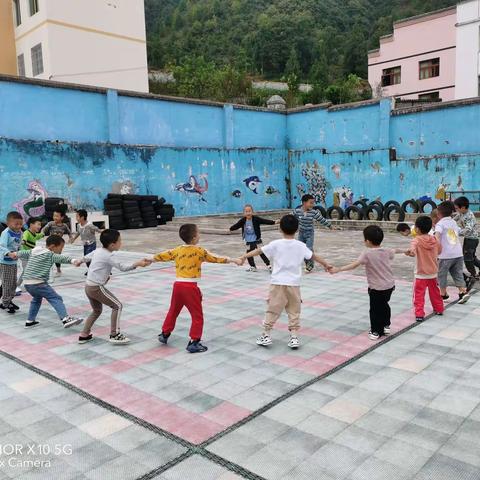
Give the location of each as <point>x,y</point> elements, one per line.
<point>54,204</point>
<point>391,211</point>
<point>137,211</point>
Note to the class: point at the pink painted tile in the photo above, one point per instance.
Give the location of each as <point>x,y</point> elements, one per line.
<point>198,430</point>
<point>245,323</point>
<point>287,360</point>
<point>314,368</point>
<point>328,358</point>
<point>226,414</point>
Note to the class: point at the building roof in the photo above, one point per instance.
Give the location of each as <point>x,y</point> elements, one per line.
<point>425,16</point>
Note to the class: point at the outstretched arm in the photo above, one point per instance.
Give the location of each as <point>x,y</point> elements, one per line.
<point>166,256</point>
<point>346,268</point>
<point>322,262</point>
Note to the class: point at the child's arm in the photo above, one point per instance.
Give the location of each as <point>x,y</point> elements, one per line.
<point>211,258</point>
<point>322,220</point>
<point>346,268</point>
<point>64,259</point>
<point>266,221</point>
<point>238,225</point>
<point>4,248</point>
<point>253,253</point>
<point>322,262</point>
<point>74,236</point>
<point>467,226</point>
<point>166,256</point>
<point>46,229</point>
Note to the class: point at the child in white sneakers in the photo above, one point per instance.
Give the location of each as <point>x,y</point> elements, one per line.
<point>287,256</point>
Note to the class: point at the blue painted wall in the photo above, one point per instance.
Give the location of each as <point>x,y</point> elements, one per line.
<point>81,144</point>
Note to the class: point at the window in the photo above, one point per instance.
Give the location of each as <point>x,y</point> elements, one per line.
<point>430,68</point>
<point>37,60</point>
<point>430,96</point>
<point>21,65</point>
<point>33,7</point>
<point>391,76</point>
<point>18,13</point>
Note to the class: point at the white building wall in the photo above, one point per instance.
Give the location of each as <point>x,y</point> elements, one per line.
<point>468,50</point>
<point>89,42</point>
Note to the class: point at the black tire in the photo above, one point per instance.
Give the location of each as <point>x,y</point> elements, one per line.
<point>161,221</point>
<point>130,197</point>
<point>394,209</point>
<point>149,198</point>
<point>410,203</point>
<point>114,213</point>
<point>378,204</point>
<point>321,209</point>
<point>363,203</point>
<point>130,203</point>
<point>161,201</point>
<point>373,209</point>
<point>135,226</point>
<point>53,201</point>
<point>115,195</point>
<point>150,224</point>
<point>423,203</point>
<point>354,210</point>
<point>133,219</point>
<point>338,210</point>
<point>390,203</point>
<point>165,212</point>
<point>131,209</point>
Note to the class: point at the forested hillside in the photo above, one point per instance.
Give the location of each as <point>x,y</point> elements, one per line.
<point>322,41</point>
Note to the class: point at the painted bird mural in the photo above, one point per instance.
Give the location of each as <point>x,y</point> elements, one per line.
<point>193,186</point>
<point>252,183</point>
<point>34,204</point>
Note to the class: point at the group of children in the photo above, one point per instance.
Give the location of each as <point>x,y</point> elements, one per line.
<point>436,247</point>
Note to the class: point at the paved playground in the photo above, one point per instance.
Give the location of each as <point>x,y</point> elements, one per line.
<point>340,407</point>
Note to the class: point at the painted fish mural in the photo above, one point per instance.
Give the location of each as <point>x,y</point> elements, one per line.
<point>34,204</point>
<point>193,186</point>
<point>252,183</point>
<point>271,190</point>
<point>236,193</point>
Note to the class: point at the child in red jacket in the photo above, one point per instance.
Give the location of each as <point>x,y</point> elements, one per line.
<point>426,249</point>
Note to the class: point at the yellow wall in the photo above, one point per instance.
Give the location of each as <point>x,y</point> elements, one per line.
<point>8,57</point>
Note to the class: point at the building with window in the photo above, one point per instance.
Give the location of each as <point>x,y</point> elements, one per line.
<point>417,61</point>
<point>89,42</point>
<point>435,56</point>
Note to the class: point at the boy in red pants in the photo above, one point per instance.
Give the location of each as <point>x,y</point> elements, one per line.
<point>426,249</point>
<point>188,260</point>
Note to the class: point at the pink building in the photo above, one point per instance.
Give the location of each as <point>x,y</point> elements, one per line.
<point>417,61</point>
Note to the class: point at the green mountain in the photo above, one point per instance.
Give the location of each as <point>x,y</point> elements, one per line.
<point>322,40</point>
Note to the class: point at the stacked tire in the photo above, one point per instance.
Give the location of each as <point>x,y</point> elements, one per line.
<point>54,204</point>
<point>132,214</point>
<point>149,215</point>
<point>113,207</point>
<point>164,211</point>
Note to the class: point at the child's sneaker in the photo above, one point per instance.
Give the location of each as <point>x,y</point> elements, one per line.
<point>463,298</point>
<point>386,330</point>
<point>163,338</point>
<point>31,324</point>
<point>264,340</point>
<point>252,269</point>
<point>373,335</point>
<point>420,319</point>
<point>86,339</point>
<point>470,282</point>
<point>446,296</point>
<point>293,343</point>
<point>194,346</point>
<point>18,292</point>
<point>9,309</point>
<point>439,314</point>
<point>119,339</point>
<point>309,267</point>
<point>70,321</point>
<point>15,307</point>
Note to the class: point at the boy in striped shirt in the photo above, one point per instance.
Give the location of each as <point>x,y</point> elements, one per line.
<point>306,215</point>
<point>36,276</point>
<point>29,241</point>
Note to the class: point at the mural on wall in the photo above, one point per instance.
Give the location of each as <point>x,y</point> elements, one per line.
<point>193,186</point>
<point>271,190</point>
<point>236,194</point>
<point>34,204</point>
<point>124,187</point>
<point>252,183</point>
<point>317,184</point>
<point>343,197</point>
<point>442,192</point>
<point>336,169</point>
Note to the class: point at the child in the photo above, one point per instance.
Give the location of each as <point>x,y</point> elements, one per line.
<point>10,241</point>
<point>426,249</point>
<point>29,241</point>
<point>86,231</point>
<point>468,229</point>
<point>451,257</point>
<point>36,274</point>
<point>101,263</point>
<point>188,260</point>
<point>406,230</point>
<point>57,227</point>
<point>381,284</point>
<point>287,255</point>
<point>251,233</point>
<point>305,216</point>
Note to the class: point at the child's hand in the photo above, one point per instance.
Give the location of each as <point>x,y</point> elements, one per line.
<point>77,263</point>
<point>334,228</point>
<point>277,222</point>
<point>334,270</point>
<point>144,262</point>
<point>12,255</point>
<point>409,253</point>
<point>238,261</point>
<point>328,267</point>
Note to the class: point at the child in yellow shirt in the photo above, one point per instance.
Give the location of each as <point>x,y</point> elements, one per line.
<point>188,260</point>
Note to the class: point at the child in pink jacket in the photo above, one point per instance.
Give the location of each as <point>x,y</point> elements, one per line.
<point>426,249</point>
